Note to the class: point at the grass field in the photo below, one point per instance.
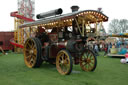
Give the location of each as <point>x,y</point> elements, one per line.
<point>109,71</point>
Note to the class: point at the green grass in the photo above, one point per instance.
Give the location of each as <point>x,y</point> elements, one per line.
<point>13,71</point>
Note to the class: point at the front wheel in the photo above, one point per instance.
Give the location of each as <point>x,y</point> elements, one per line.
<point>64,62</point>
<point>88,60</point>
<point>32,52</point>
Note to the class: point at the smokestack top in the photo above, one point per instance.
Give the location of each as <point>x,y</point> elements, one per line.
<point>75,8</point>
<point>99,9</point>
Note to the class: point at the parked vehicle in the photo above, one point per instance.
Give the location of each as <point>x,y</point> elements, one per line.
<point>61,39</point>
<point>5,40</point>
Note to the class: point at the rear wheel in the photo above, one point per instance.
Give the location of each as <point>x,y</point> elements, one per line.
<point>88,60</point>
<point>32,52</point>
<point>64,62</point>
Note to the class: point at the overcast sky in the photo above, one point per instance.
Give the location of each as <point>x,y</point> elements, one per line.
<point>114,9</point>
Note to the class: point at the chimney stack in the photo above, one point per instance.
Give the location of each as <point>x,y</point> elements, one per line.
<point>75,8</point>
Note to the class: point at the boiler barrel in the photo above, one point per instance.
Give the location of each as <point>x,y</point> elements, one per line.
<point>49,13</point>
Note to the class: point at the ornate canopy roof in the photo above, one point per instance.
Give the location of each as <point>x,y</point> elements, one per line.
<point>89,16</point>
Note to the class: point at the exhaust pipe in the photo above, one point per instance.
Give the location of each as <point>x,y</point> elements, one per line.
<point>49,13</point>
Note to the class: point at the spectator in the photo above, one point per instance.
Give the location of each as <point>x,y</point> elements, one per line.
<point>110,45</point>
<point>101,47</point>
<point>105,49</point>
<point>96,49</point>
<point>113,45</point>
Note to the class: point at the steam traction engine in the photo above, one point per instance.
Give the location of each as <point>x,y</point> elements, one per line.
<point>61,39</point>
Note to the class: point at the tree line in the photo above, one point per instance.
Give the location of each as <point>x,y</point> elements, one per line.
<point>118,26</point>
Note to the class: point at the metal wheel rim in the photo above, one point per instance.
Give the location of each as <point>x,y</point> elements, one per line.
<point>30,53</point>
<point>63,63</point>
<point>87,61</point>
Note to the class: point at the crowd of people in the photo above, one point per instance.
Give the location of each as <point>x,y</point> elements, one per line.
<point>106,47</point>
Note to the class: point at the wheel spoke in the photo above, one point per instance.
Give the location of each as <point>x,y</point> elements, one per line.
<point>30,52</point>
<point>92,62</point>
<point>34,57</point>
<point>60,60</point>
<point>29,46</point>
<point>87,54</point>
<point>85,64</point>
<point>65,68</point>
<point>87,61</point>
<point>89,66</point>
<point>62,57</point>
<point>90,55</point>
<point>33,45</point>
<point>83,60</point>
<point>92,58</point>
<point>31,62</point>
<point>35,52</point>
<point>63,63</point>
<point>28,58</point>
<point>27,50</point>
<point>84,55</point>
